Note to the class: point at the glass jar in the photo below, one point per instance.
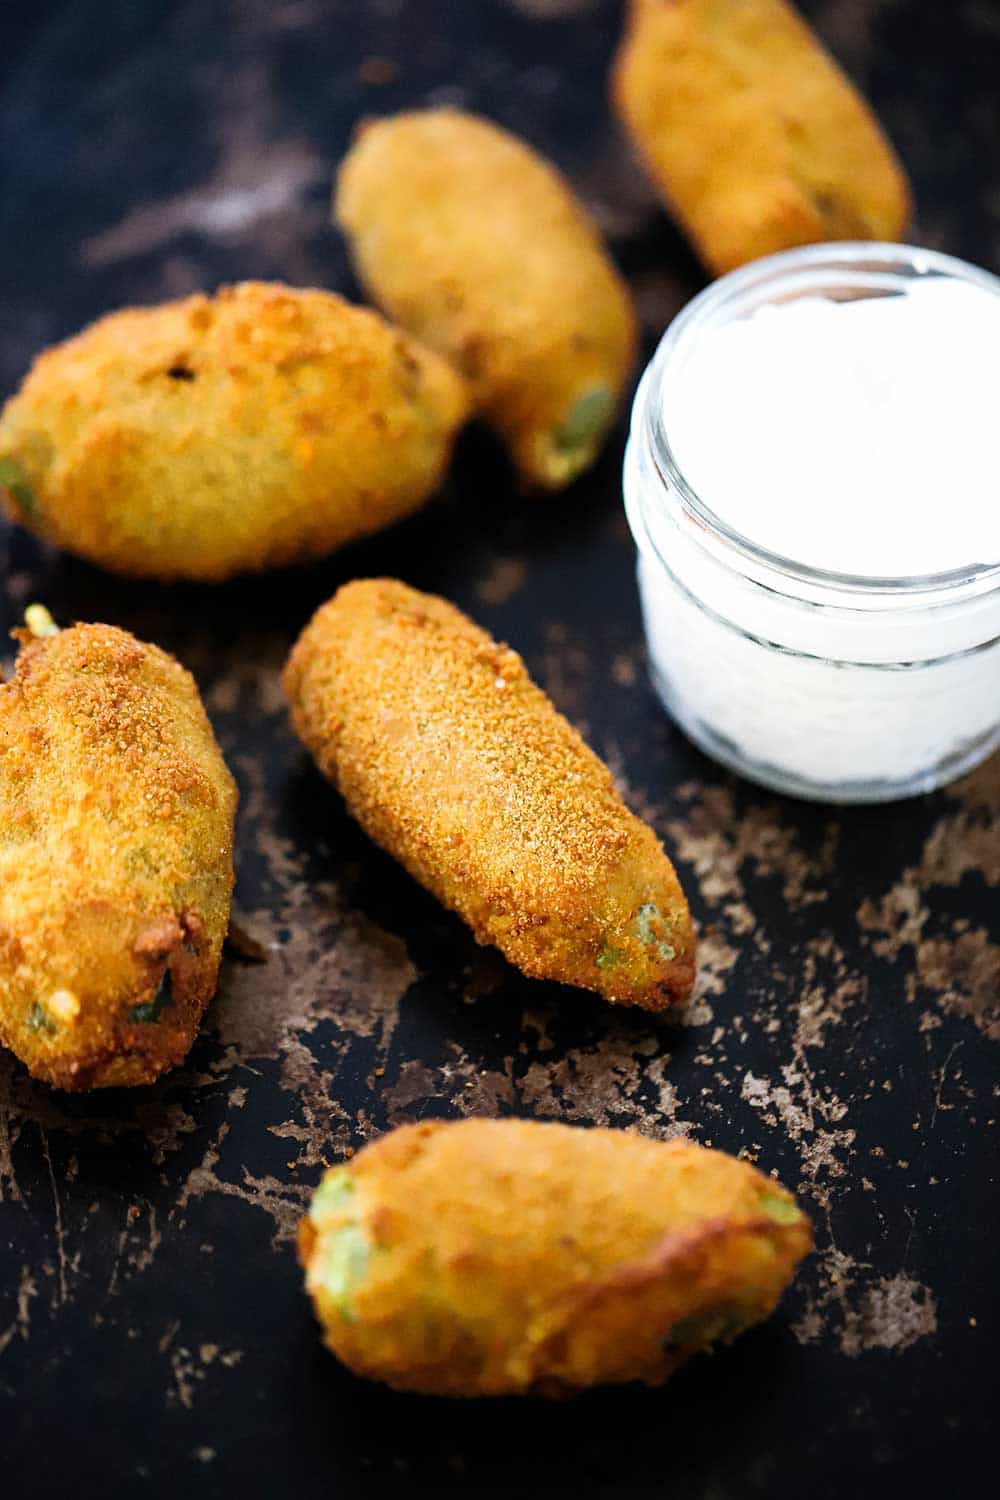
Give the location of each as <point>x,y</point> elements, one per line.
<point>824,685</point>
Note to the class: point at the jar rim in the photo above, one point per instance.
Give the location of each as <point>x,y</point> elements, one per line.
<point>861,264</point>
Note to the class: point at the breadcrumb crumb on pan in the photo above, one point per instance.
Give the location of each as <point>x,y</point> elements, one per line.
<point>455,762</point>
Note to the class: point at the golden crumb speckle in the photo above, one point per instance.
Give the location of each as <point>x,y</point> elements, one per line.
<point>63,1004</point>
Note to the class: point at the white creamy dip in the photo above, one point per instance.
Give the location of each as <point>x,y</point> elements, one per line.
<point>812,483</point>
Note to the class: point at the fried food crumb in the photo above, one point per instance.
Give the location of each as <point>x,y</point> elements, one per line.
<point>116,818</point>
<point>756,138</point>
<point>505,1257</point>
<point>221,435</point>
<point>535,317</point>
<point>486,794</point>
<point>243,945</point>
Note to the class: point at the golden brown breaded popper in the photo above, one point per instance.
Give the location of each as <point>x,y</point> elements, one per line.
<point>753,134</point>
<point>116,857</point>
<point>227,434</point>
<point>470,240</point>
<point>501,1257</point>
<point>455,762</point>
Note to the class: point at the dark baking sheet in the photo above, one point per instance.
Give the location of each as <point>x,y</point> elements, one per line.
<point>153,1335</point>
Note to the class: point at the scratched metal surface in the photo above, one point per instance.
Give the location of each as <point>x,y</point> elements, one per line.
<point>152,1329</point>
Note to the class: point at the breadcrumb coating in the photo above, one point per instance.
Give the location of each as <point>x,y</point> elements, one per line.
<point>116,823</point>
<point>478,246</point>
<point>756,138</point>
<point>455,762</point>
<point>505,1257</point>
<point>228,434</point>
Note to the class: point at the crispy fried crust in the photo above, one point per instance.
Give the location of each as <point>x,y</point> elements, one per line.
<point>116,823</point>
<point>755,137</point>
<point>498,1257</point>
<point>455,762</point>
<point>227,434</point>
<point>475,244</point>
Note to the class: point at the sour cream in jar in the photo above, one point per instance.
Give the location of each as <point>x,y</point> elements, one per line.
<point>813,486</point>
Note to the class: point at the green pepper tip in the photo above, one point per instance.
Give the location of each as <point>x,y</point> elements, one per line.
<point>345,1264</point>
<point>705,1328</point>
<point>40,1020</point>
<point>334,1192</point>
<point>782,1210</point>
<point>39,622</point>
<point>15,482</point>
<point>151,1010</point>
<point>608,957</point>
<point>586,420</point>
<point>647,914</point>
